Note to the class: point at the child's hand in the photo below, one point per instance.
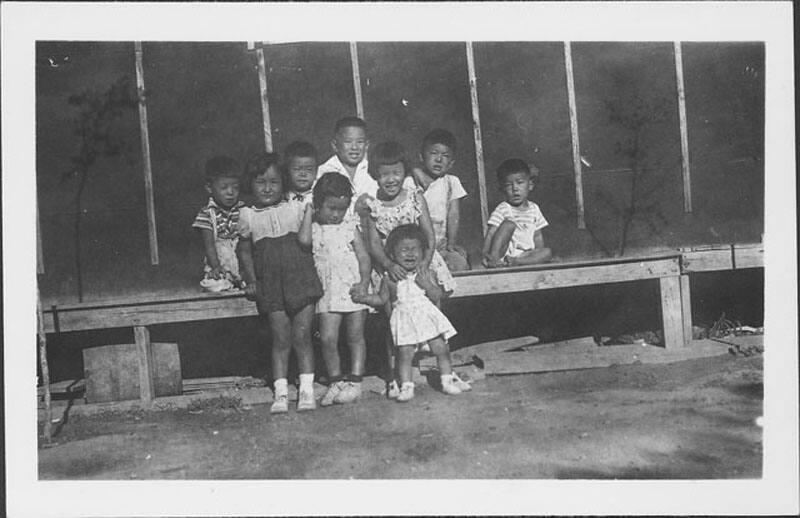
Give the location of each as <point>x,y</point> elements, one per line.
<point>396,272</point>
<point>358,293</point>
<point>424,278</point>
<point>250,291</point>
<point>361,206</point>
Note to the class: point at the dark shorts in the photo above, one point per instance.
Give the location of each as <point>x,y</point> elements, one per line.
<point>287,278</point>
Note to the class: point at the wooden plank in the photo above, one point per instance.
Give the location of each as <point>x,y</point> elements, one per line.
<point>535,360</point>
<point>686,309</point>
<point>148,171</point>
<point>573,128</point>
<point>149,314</point>
<point>707,260</point>
<point>146,369</point>
<point>511,282</point>
<point>464,354</point>
<point>476,131</point>
<point>685,171</point>
<point>42,339</point>
<point>745,256</point>
<point>262,85</point>
<point>671,312</point>
<point>356,79</point>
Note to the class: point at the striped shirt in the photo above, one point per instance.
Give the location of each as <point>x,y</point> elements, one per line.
<point>223,222</point>
<point>528,219</point>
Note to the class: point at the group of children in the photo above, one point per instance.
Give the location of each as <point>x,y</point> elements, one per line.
<point>363,230</point>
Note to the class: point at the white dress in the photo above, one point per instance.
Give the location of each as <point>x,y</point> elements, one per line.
<point>415,319</point>
<point>337,266</point>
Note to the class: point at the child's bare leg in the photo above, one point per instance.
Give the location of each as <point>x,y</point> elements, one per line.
<point>440,348</point>
<point>389,343</point>
<point>405,354</point>
<point>535,256</point>
<point>354,323</point>
<point>301,339</point>
<point>501,239</point>
<point>329,333</point>
<point>281,326</point>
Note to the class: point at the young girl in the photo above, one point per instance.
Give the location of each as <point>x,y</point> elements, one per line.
<point>415,318</point>
<point>280,275</point>
<point>395,205</point>
<point>343,266</point>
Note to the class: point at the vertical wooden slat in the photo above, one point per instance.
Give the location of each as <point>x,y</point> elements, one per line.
<point>262,84</point>
<point>686,309</point>
<point>144,352</point>
<point>687,182</point>
<point>476,131</point>
<point>39,253</point>
<point>148,171</point>
<point>671,312</point>
<point>573,127</point>
<point>356,79</point>
<point>48,411</point>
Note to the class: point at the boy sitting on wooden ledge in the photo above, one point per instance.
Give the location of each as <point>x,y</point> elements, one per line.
<point>514,233</point>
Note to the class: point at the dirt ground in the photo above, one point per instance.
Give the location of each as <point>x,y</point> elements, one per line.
<point>686,420</point>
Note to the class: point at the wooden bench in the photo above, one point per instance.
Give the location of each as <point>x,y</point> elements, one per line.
<point>671,268</point>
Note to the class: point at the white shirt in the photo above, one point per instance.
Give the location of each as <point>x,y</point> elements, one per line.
<point>528,220</point>
<point>361,181</point>
<point>438,196</point>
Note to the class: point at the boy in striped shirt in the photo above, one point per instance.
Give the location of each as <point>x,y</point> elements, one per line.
<point>514,234</point>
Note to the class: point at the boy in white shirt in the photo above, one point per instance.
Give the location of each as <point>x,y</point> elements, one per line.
<point>514,234</point>
<point>350,145</point>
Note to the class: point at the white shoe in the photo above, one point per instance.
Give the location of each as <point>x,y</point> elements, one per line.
<point>350,392</point>
<point>280,405</point>
<point>464,386</point>
<point>306,401</point>
<point>406,392</point>
<point>330,396</point>
<point>392,390</point>
<point>449,386</point>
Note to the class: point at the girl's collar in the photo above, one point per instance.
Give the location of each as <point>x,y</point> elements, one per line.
<point>282,202</point>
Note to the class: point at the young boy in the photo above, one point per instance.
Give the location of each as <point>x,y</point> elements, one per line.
<point>443,192</point>
<point>514,236</point>
<point>350,145</point>
<point>301,171</point>
<point>217,224</point>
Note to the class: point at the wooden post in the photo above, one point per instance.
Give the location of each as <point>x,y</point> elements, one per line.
<point>148,172</point>
<point>356,79</point>
<point>686,309</point>
<point>476,131</point>
<point>262,84</point>
<point>573,127</point>
<point>687,183</point>
<point>671,311</point>
<point>48,411</point>
<point>144,351</point>
<point>39,253</point>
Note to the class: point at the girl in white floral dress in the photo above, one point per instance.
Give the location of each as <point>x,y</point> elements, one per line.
<point>343,267</point>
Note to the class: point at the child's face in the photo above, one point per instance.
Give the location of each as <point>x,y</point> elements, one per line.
<point>516,187</point>
<point>268,187</point>
<point>333,210</point>
<point>390,179</point>
<point>408,253</point>
<point>437,160</point>
<point>224,190</point>
<point>302,173</point>
<point>350,145</point>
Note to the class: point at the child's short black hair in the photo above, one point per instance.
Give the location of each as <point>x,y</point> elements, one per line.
<point>516,165</point>
<point>386,153</point>
<point>333,185</point>
<point>439,136</point>
<point>349,122</point>
<point>408,231</point>
<point>300,149</point>
<point>222,167</point>
<point>258,164</point>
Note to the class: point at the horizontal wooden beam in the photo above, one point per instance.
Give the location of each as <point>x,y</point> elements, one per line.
<point>747,256</point>
<point>707,260</point>
<point>516,281</point>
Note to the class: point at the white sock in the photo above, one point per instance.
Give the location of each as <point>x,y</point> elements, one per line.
<point>281,386</point>
<point>447,379</point>
<point>307,381</point>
